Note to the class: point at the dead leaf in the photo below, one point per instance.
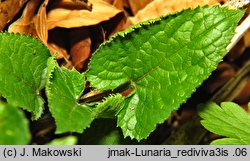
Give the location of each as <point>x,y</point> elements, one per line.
<point>240,41</point>
<point>159,8</point>
<point>247,34</point>
<point>71,5</point>
<point>25,24</point>
<point>40,23</point>
<point>110,1</point>
<point>124,6</point>
<point>119,4</point>
<point>56,23</point>
<point>247,38</point>
<point>138,5</point>
<point>80,49</point>
<point>67,18</point>
<point>34,23</point>
<point>57,43</point>
<point>8,10</point>
<point>78,36</point>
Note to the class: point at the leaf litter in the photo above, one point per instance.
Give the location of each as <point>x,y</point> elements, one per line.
<point>8,10</point>
<point>66,16</point>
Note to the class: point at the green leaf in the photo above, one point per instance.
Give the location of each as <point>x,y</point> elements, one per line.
<point>165,60</point>
<point>69,140</point>
<point>13,126</point>
<point>23,62</point>
<point>52,64</point>
<point>228,120</point>
<point>64,88</point>
<point>110,107</point>
<point>63,91</point>
<point>227,141</point>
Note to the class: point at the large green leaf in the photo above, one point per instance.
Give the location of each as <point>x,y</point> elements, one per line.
<point>13,126</point>
<point>228,120</point>
<point>23,62</point>
<point>165,60</point>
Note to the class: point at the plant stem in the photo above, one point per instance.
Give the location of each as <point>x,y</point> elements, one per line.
<point>99,96</point>
<point>234,86</point>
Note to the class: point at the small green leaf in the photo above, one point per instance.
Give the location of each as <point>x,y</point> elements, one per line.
<point>64,88</point>
<point>52,64</point>
<point>13,126</point>
<point>227,141</point>
<point>63,91</point>
<point>69,140</point>
<point>228,120</point>
<point>165,60</point>
<point>110,106</point>
<point>23,62</point>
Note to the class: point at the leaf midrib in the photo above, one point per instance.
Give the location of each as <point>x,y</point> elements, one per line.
<point>177,51</point>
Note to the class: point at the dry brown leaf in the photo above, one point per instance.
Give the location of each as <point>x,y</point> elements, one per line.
<point>124,6</point>
<point>77,35</point>
<point>119,4</point>
<point>71,4</point>
<point>138,5</point>
<point>40,23</point>
<point>241,40</point>
<point>37,22</point>
<point>247,38</point>
<point>110,1</point>
<point>34,23</point>
<point>66,18</point>
<point>80,43</point>
<point>57,43</point>
<point>159,8</point>
<point>25,24</point>
<point>8,9</point>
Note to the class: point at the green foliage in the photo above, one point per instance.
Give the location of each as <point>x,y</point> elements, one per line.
<point>13,126</point>
<point>69,140</point>
<point>110,107</point>
<point>64,89</point>
<point>165,60</point>
<point>228,120</point>
<point>23,62</point>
